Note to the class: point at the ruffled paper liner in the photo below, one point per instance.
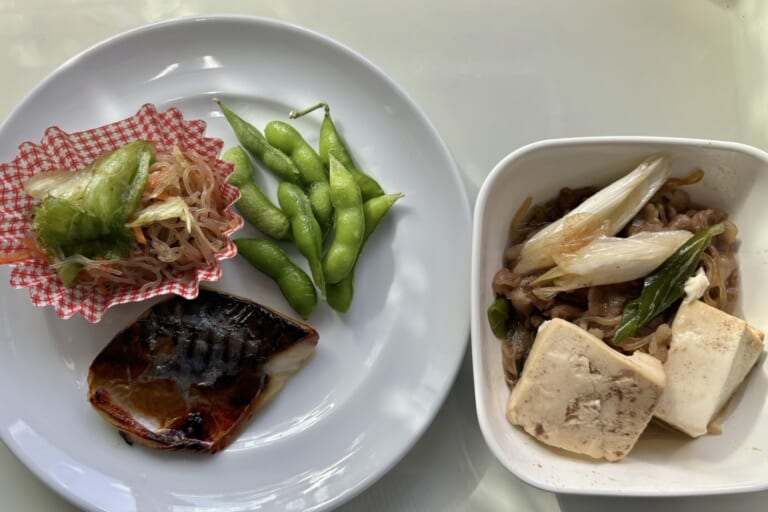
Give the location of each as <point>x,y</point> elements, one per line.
<point>59,149</point>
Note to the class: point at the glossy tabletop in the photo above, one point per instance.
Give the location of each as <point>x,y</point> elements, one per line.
<point>492,75</point>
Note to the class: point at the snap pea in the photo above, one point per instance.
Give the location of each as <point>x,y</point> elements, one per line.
<point>339,295</point>
<point>331,143</point>
<point>350,224</point>
<point>294,283</point>
<point>254,205</point>
<point>253,141</point>
<point>304,227</point>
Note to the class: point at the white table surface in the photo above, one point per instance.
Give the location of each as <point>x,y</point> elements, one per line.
<point>492,75</point>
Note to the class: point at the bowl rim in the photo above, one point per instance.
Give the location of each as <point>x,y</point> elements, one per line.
<point>477,316</point>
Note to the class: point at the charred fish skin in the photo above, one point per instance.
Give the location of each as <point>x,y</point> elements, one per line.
<point>190,373</point>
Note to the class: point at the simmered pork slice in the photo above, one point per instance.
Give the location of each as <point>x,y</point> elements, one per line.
<point>191,373</point>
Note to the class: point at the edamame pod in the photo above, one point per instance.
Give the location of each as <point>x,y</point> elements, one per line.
<point>314,177</point>
<point>253,141</point>
<point>376,209</point>
<point>331,143</point>
<point>306,231</point>
<point>322,207</point>
<point>284,137</point>
<point>254,205</point>
<point>294,283</point>
<point>339,295</point>
<point>350,224</point>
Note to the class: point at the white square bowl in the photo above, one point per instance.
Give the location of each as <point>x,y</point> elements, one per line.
<point>663,463</point>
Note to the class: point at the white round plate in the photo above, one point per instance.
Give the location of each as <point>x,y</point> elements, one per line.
<point>380,372</point>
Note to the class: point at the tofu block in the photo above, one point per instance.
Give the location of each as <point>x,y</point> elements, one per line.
<point>579,394</point>
<point>710,354</point>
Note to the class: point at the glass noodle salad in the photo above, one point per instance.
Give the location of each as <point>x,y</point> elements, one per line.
<point>132,217</point>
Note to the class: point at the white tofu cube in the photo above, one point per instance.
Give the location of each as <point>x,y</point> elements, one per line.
<point>710,354</point>
<point>579,394</point>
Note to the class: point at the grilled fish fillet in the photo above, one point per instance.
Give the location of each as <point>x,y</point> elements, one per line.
<point>191,373</point>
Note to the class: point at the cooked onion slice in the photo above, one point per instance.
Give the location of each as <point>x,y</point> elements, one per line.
<point>609,260</point>
<point>603,214</point>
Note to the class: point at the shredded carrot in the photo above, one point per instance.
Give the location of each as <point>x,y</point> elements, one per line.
<point>155,176</point>
<point>152,183</point>
<point>34,249</point>
<point>162,197</point>
<point>15,257</point>
<point>139,235</point>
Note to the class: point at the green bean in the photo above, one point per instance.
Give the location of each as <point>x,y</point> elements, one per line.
<point>339,295</point>
<point>285,138</point>
<point>350,224</point>
<point>331,143</point>
<point>253,141</point>
<point>294,283</point>
<point>306,231</point>
<point>254,205</point>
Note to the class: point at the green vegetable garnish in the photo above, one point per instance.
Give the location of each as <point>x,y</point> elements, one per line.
<point>664,286</point>
<point>85,213</point>
<point>172,208</point>
<point>498,317</point>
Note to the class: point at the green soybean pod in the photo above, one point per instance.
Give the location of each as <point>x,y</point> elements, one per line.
<point>350,224</point>
<point>306,231</point>
<point>313,174</point>
<point>254,205</point>
<point>339,295</point>
<point>294,283</point>
<point>253,141</point>
<point>284,137</point>
<point>322,207</point>
<point>331,143</point>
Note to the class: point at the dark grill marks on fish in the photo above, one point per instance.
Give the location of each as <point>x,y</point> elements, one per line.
<point>190,374</point>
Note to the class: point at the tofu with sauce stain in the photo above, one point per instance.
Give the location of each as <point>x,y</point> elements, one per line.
<point>710,354</point>
<point>579,394</point>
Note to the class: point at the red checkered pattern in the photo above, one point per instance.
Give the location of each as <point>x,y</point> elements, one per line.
<point>74,151</point>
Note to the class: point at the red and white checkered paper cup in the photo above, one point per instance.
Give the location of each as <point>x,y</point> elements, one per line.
<point>75,151</point>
